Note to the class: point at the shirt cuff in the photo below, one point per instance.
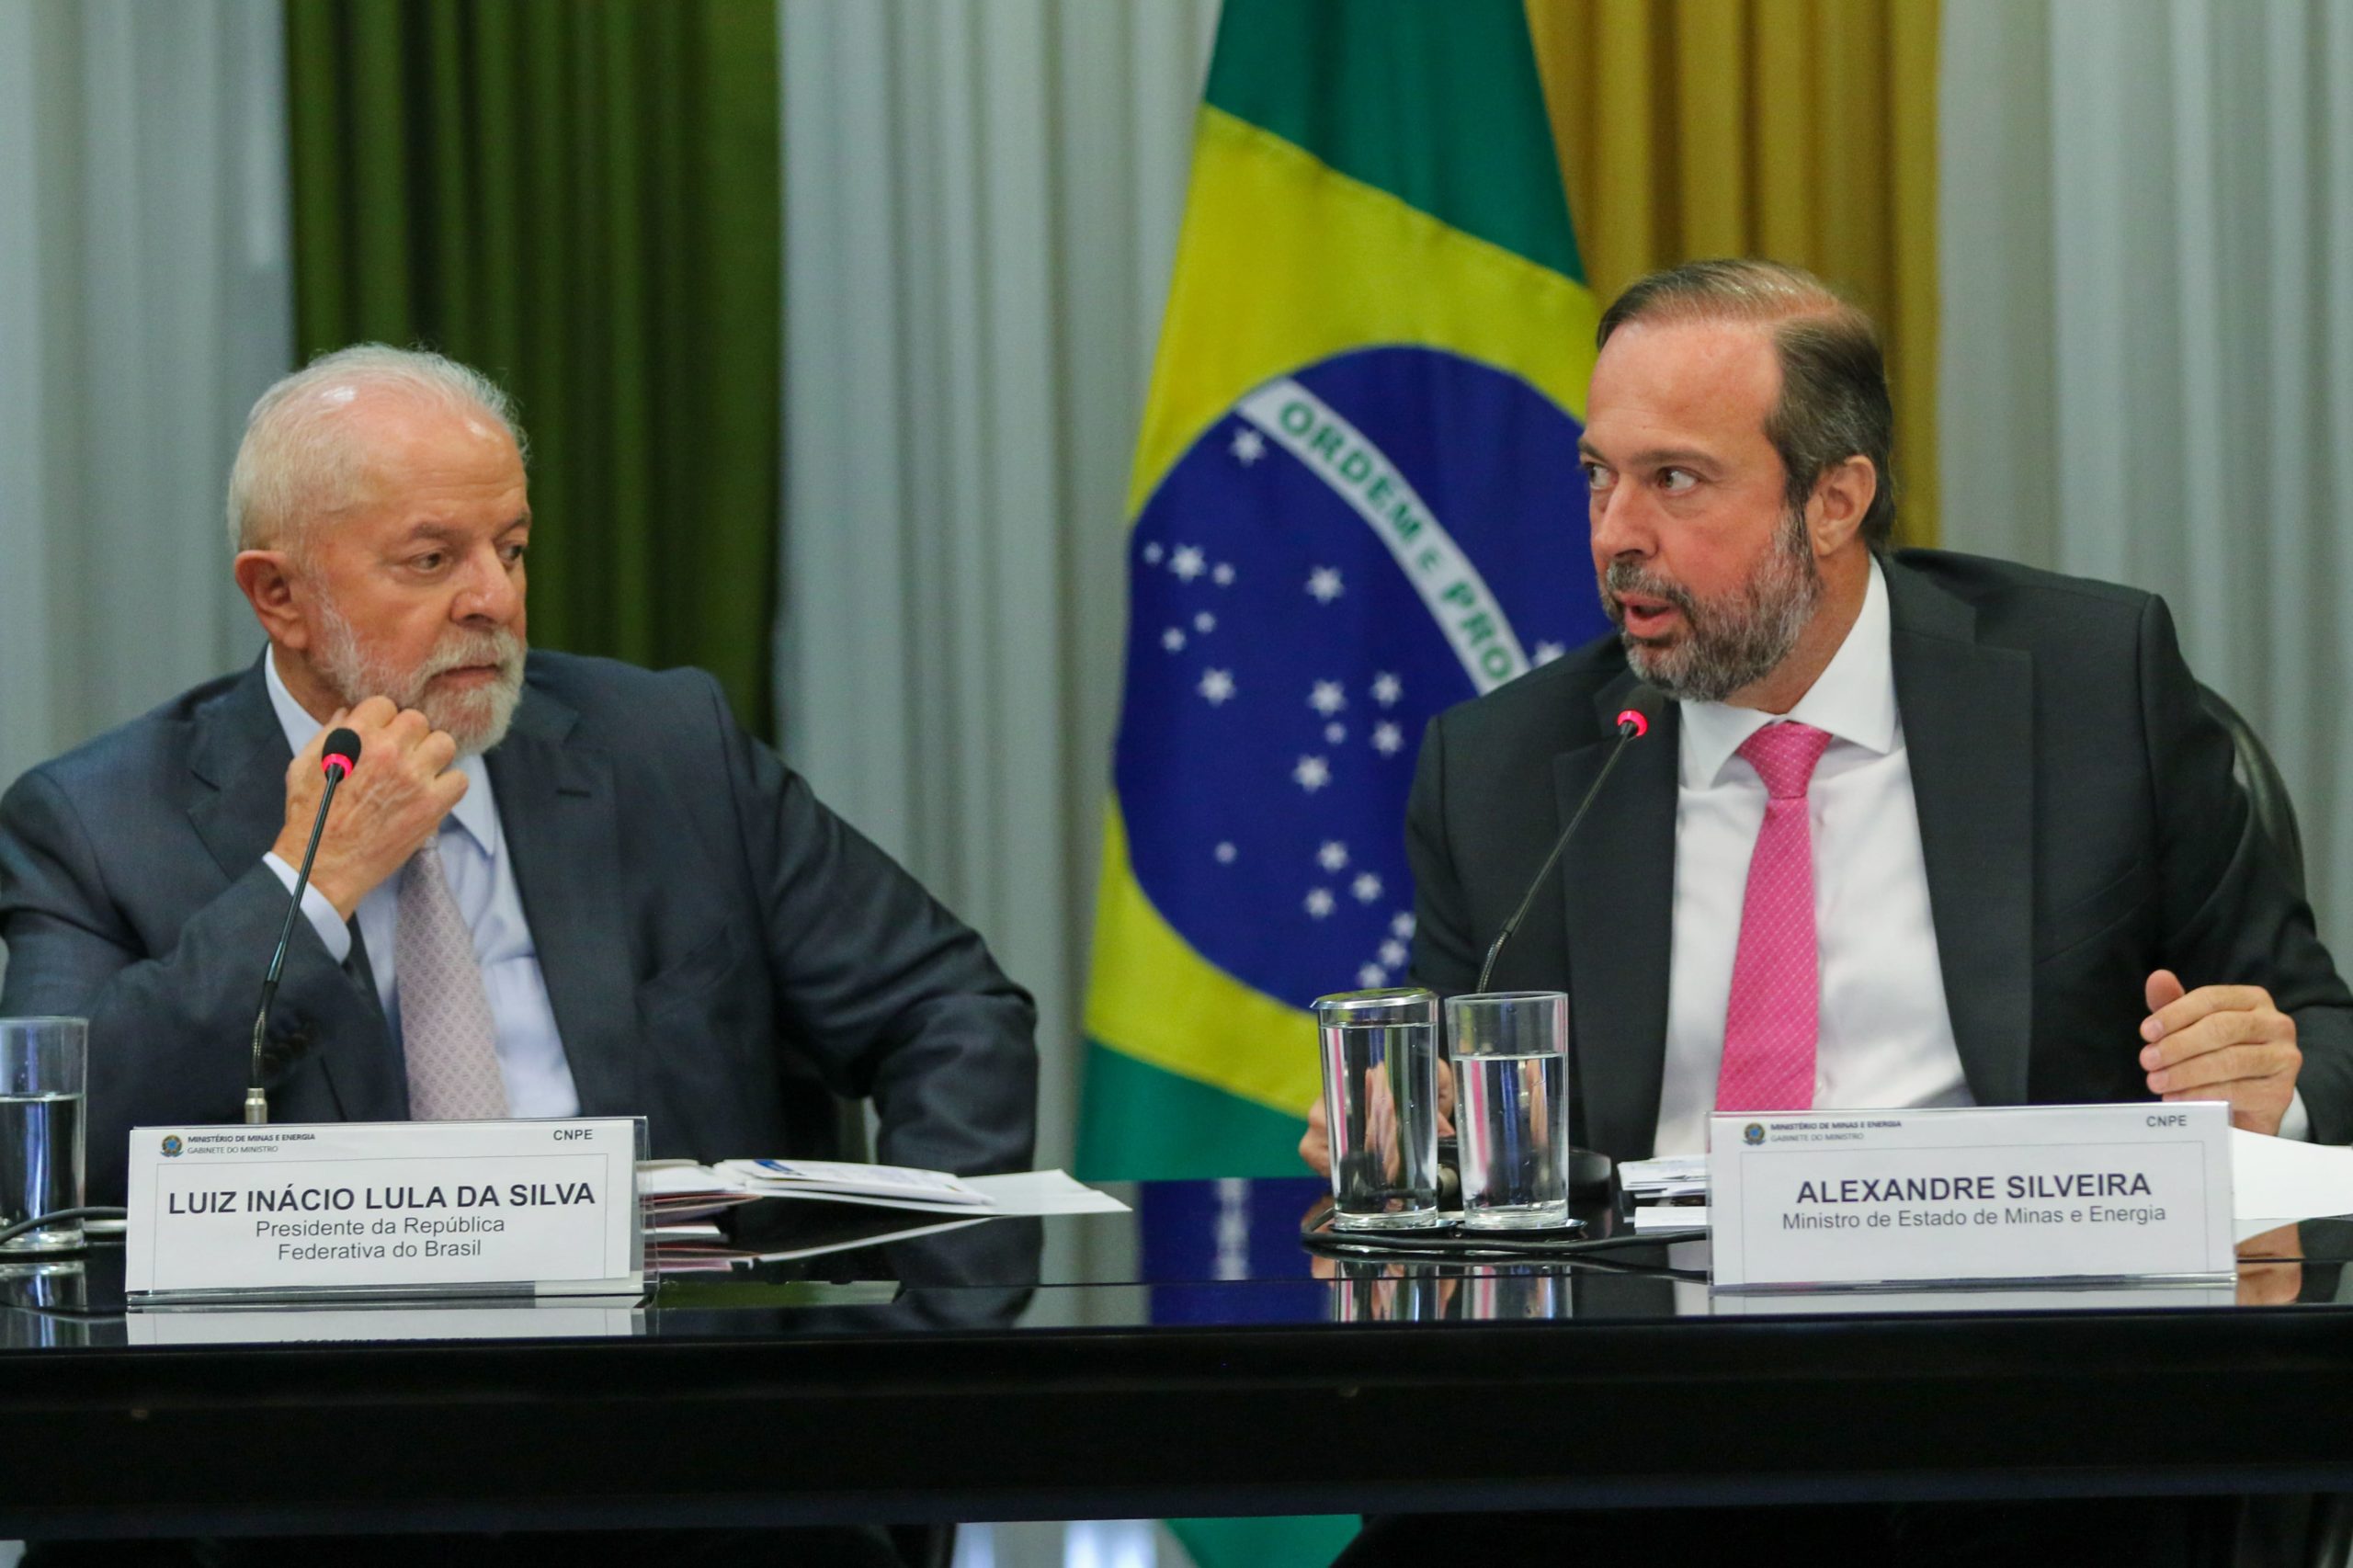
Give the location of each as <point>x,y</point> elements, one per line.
<point>338,936</point>
<point>2298,1122</point>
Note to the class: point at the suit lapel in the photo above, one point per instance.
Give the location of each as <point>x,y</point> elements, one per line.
<point>1969,729</point>
<point>1618,876</point>
<point>557,809</point>
<point>238,757</point>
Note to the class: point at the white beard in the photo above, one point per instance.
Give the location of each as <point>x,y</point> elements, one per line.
<point>476,720</point>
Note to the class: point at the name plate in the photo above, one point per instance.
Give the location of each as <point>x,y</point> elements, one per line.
<point>384,1211</point>
<point>1858,1200</point>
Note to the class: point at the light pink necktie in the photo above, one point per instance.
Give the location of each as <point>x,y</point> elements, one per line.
<point>1776,980</point>
<point>447,1032</point>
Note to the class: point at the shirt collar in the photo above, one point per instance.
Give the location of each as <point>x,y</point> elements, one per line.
<point>1853,698</point>
<point>477,812</point>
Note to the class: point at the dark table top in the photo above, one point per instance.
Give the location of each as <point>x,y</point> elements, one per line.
<point>1190,1355</point>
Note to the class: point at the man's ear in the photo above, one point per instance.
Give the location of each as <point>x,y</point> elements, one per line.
<point>1842,499</point>
<point>267,579</point>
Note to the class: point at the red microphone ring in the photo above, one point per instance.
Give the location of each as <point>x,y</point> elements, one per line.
<point>329,764</point>
<point>1641,725</point>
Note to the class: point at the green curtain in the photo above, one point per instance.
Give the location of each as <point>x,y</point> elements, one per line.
<point>580,198</point>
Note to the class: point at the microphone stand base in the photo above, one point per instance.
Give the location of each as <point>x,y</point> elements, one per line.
<point>1590,1172</point>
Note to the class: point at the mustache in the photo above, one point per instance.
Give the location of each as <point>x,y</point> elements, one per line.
<point>461,649</point>
<point>1625,577</point>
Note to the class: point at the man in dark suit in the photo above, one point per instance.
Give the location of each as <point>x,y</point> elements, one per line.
<point>551,886</point>
<point>1917,829</point>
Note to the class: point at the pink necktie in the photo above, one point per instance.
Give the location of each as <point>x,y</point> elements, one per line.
<point>1776,980</point>
<point>446,1031</point>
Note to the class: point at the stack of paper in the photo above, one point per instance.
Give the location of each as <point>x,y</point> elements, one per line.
<point>1668,1194</point>
<point>888,1186</point>
<point>848,1206</point>
<point>679,1190</point>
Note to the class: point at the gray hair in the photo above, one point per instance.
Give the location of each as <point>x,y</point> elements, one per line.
<point>1833,403</point>
<point>295,462</point>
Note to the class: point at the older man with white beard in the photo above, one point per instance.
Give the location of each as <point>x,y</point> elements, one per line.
<point>552,885</point>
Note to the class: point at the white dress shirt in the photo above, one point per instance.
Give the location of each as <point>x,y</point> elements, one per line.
<point>482,879</point>
<point>1885,1036</point>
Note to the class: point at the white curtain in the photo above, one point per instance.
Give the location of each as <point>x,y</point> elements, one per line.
<point>2146,227</point>
<point>981,205</point>
<point>144,301</point>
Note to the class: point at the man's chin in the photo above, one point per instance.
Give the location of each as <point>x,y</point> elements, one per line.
<point>477,721</point>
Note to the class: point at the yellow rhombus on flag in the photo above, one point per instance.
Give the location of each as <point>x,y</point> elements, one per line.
<point>1356,502</point>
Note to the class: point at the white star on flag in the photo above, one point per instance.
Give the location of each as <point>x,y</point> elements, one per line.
<point>1402,922</point>
<point>1151,554</point>
<point>1249,446</point>
<point>1313,773</point>
<point>1217,685</point>
<point>1371,976</point>
<point>1392,952</point>
<point>1335,733</point>
<point>1548,652</point>
<point>1222,574</point>
<point>1366,888</point>
<point>1319,901</point>
<point>1188,563</point>
<point>1387,688</point>
<point>1333,856</point>
<point>1327,698</point>
<point>1205,622</point>
<point>1172,639</point>
<point>1323,585</point>
<point>1387,737</point>
<point>1225,854</point>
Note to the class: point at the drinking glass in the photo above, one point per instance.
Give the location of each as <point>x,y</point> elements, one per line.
<point>1380,1054</point>
<point>43,1064</point>
<point>1511,1106</point>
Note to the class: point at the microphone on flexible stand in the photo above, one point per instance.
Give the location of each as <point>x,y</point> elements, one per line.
<point>1643,706</point>
<point>1588,1169</point>
<point>337,758</point>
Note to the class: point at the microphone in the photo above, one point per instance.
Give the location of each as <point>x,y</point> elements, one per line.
<point>337,758</point>
<point>1643,706</point>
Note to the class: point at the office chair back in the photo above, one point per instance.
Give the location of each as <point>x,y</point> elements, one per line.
<point>2275,815</point>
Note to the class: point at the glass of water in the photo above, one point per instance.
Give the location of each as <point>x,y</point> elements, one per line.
<point>1379,1052</point>
<point>43,1064</point>
<point>1511,1106</point>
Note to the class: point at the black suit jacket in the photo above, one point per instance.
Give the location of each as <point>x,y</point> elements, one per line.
<point>2078,817</point>
<point>709,934</point>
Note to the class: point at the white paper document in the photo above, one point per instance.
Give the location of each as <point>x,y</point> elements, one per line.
<point>2278,1181</point>
<point>841,1178</point>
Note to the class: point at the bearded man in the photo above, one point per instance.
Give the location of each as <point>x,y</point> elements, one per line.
<point>1918,829</point>
<point>551,886</point>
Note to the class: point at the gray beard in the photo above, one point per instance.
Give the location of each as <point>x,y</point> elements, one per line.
<point>477,721</point>
<point>1730,642</point>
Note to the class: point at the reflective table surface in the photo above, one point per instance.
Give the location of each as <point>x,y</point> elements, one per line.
<point>1190,1355</point>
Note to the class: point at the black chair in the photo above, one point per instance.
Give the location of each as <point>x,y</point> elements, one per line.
<point>2309,1531</point>
<point>2267,792</point>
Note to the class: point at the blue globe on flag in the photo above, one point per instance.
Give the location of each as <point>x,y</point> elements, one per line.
<point>1351,550</point>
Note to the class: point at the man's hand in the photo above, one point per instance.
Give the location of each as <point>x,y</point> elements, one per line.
<point>1315,1146</point>
<point>389,807</point>
<point>2220,1042</point>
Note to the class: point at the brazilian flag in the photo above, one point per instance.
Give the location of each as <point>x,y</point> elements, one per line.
<point>1356,502</point>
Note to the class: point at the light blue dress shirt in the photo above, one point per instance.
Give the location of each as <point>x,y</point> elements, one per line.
<point>481,878</point>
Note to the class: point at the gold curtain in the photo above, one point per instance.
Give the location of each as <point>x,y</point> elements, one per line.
<point>1801,129</point>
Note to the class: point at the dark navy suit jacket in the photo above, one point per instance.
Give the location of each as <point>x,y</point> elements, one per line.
<point>714,941</point>
<point>2078,817</point>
